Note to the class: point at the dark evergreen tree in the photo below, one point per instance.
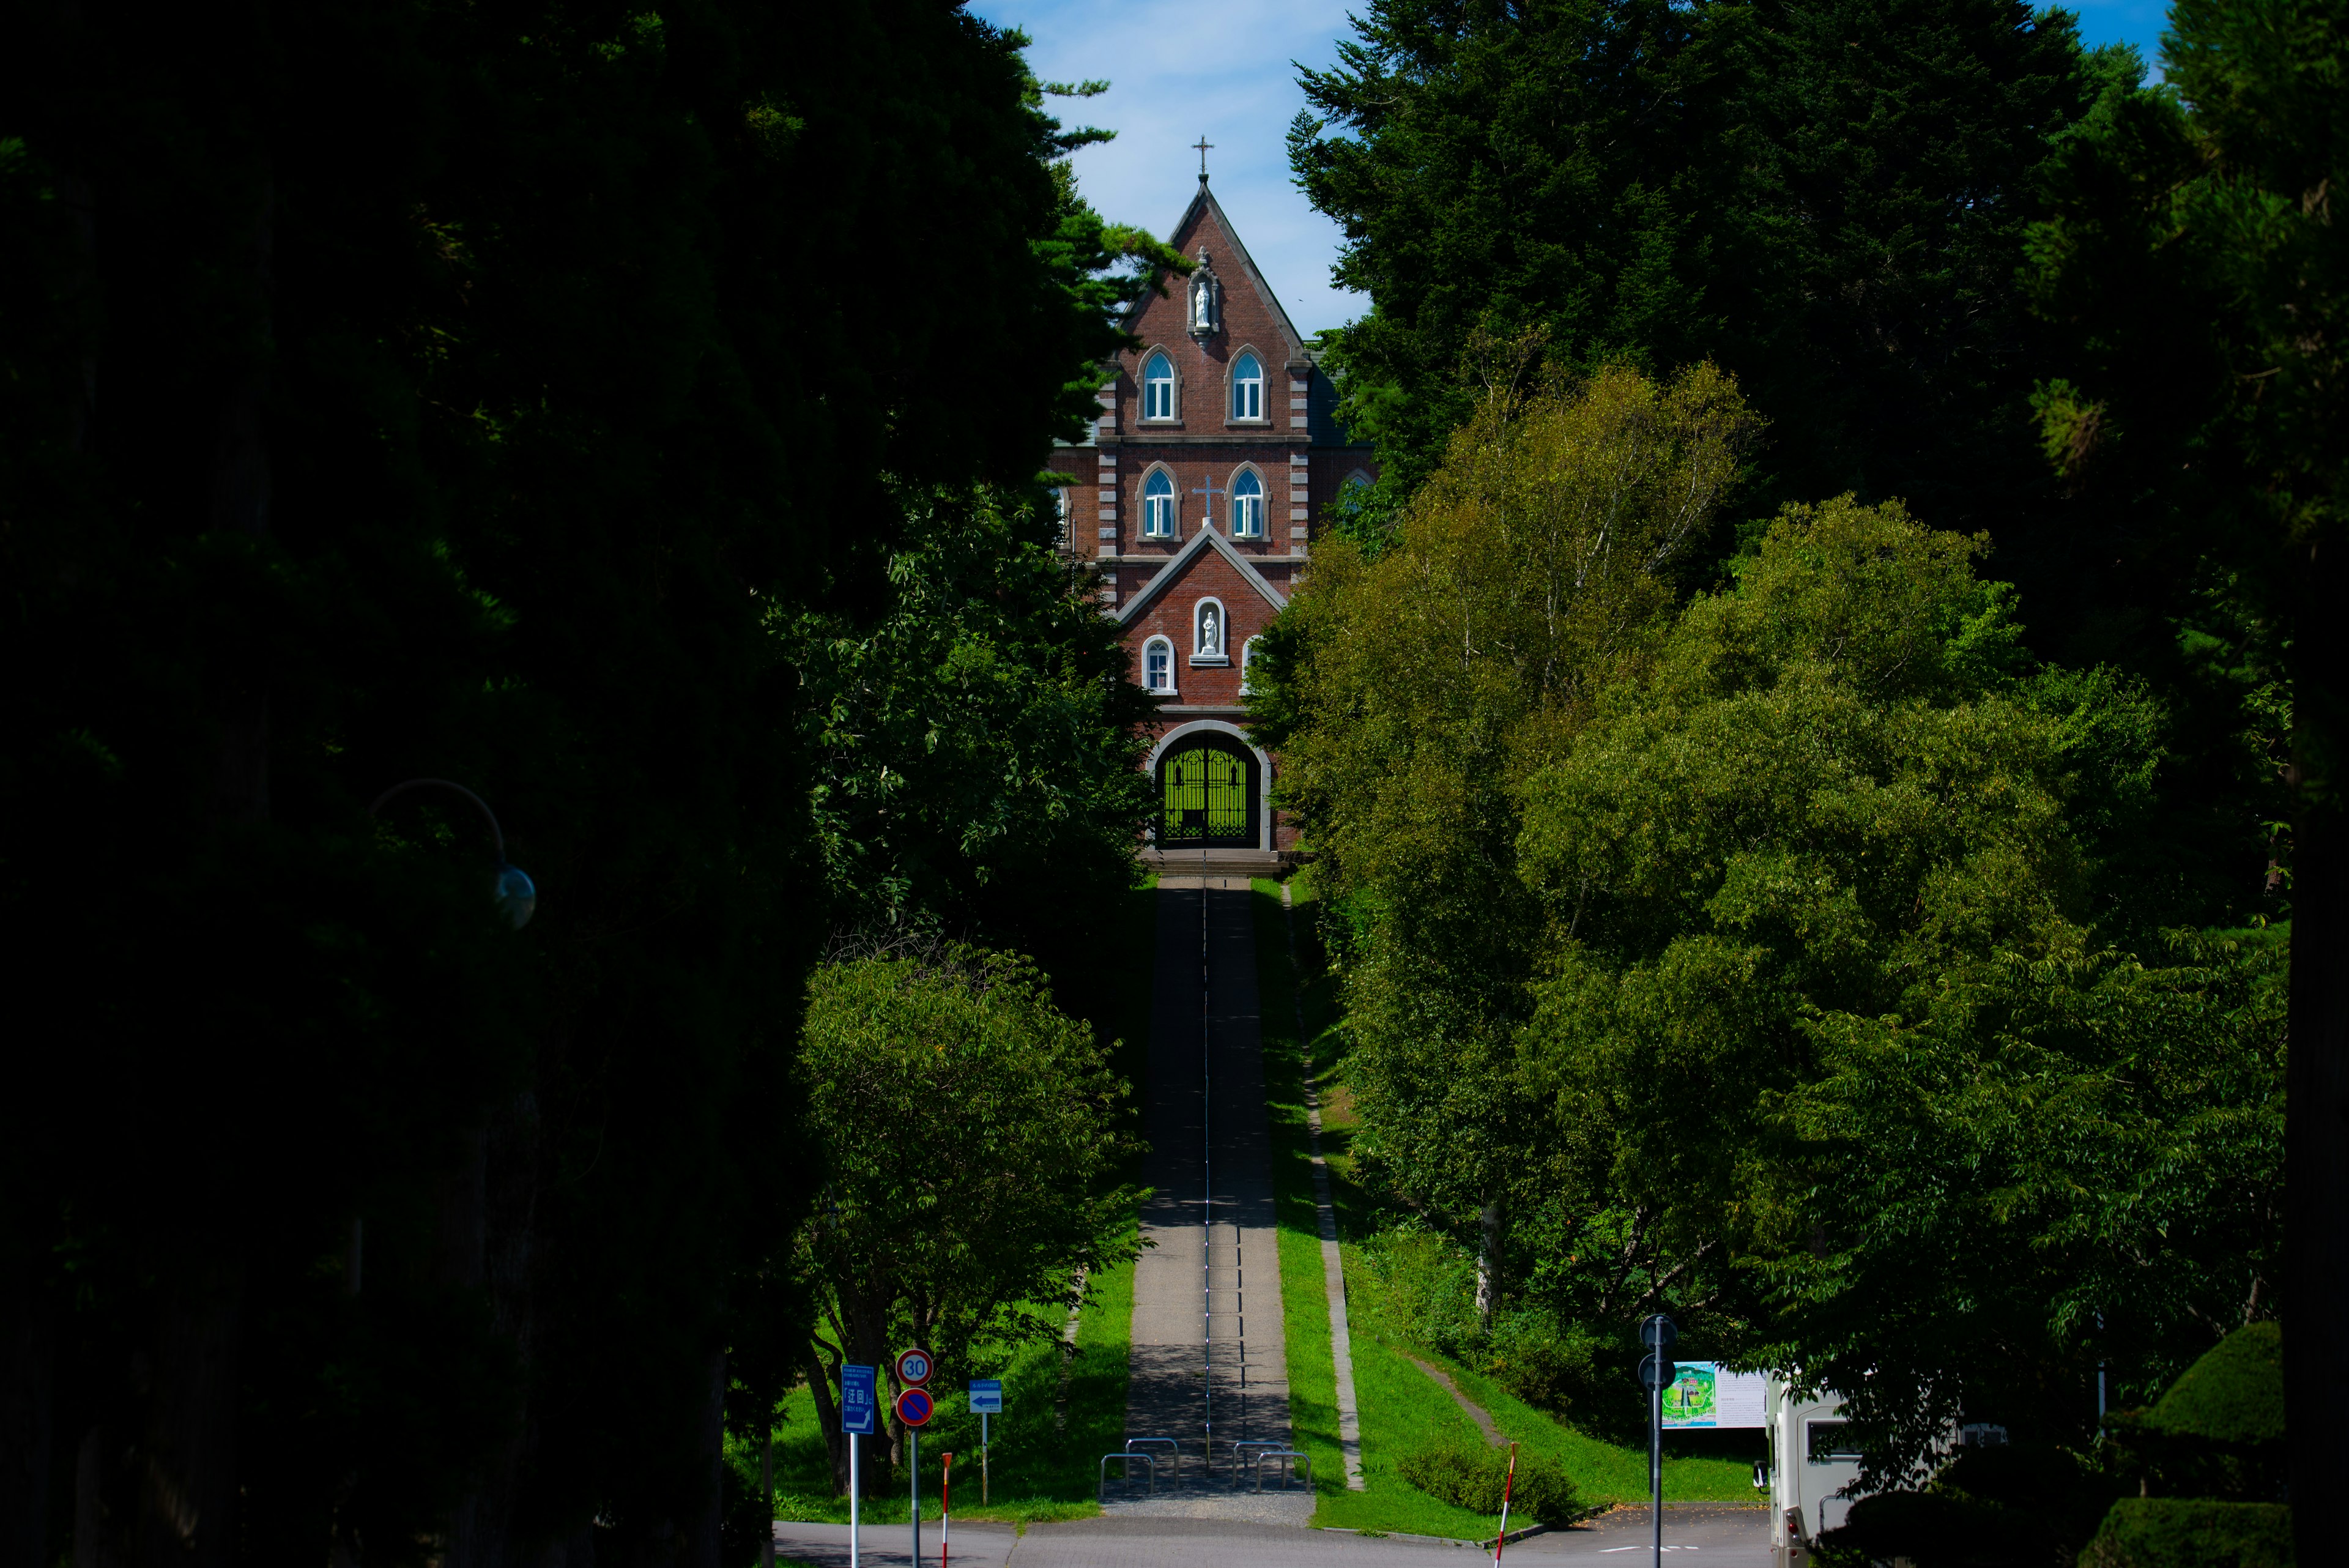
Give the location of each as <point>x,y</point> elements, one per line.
<point>393,390</point>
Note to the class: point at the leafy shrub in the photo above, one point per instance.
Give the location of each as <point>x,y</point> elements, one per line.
<point>1470,1476</point>
<point>2192,1532</point>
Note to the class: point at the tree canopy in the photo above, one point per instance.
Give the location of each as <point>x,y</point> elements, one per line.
<point>395,391</point>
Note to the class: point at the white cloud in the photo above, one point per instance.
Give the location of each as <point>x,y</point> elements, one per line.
<point>1221,67</point>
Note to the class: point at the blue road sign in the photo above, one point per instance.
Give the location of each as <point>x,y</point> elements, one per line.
<point>987,1396</point>
<point>915,1406</point>
<point>856,1405</point>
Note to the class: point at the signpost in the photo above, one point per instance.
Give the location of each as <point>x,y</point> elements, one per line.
<point>915,1409</point>
<point>857,1384</point>
<point>986,1399</point>
<point>1655,1369</point>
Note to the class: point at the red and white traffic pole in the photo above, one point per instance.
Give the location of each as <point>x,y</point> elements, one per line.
<point>945,1507</point>
<point>1508,1485</point>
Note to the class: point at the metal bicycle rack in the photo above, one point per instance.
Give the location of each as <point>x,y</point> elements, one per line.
<point>1174,1454</point>
<point>1129,1456</point>
<point>1294,1459</point>
<point>1247,1453</point>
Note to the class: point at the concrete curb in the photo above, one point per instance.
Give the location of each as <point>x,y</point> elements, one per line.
<point>1485,1545</point>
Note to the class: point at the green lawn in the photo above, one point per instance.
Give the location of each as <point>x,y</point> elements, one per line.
<point>1034,1471</point>
<point>1400,1407</point>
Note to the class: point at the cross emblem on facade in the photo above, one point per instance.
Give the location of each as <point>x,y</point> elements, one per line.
<point>1210,490</point>
<point>1203,144</point>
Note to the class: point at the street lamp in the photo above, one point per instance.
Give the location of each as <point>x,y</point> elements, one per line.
<point>516,895</point>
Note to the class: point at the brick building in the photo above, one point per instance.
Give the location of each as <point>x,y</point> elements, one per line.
<point>1215,453</point>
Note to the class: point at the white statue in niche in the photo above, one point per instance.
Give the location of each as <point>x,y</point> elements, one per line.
<point>1211,633</point>
<point>1203,297</point>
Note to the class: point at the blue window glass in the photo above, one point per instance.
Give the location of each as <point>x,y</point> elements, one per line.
<point>1158,388</point>
<point>1158,506</point>
<point>1247,388</point>
<point>1157,662</point>
<point>1248,507</point>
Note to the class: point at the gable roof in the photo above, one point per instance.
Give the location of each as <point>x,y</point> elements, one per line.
<point>1180,235</point>
<point>1207,539</point>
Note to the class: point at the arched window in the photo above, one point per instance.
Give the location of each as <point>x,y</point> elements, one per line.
<point>1158,388</point>
<point>1247,663</point>
<point>1060,502</point>
<point>1210,634</point>
<point>1158,667</point>
<point>1247,388</point>
<point>1247,505</point>
<point>1158,505</point>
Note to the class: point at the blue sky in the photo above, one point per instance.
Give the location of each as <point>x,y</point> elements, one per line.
<point>1222,69</point>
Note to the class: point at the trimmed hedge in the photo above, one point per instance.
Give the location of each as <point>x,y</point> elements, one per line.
<point>2192,1532</point>
<point>2234,1394</point>
<point>1470,1477</point>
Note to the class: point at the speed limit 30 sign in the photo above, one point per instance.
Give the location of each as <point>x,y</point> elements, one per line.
<point>914,1367</point>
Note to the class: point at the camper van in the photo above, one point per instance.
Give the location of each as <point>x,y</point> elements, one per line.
<point>1811,1460</point>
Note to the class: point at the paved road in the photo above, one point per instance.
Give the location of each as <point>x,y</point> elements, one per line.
<point>1701,1538</point>
<point>1207,1349</point>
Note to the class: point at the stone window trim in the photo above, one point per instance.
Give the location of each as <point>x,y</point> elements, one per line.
<point>1263,418</point>
<point>1221,657</point>
<point>1143,418</point>
<point>1264,504</point>
<point>1152,674</point>
<point>1248,658</point>
<point>1172,512</point>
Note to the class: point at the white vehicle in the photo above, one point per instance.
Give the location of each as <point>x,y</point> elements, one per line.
<point>1811,1460</point>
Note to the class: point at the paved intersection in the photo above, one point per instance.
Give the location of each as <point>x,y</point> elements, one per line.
<point>1699,1537</point>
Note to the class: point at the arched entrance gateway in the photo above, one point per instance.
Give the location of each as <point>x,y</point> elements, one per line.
<point>1210,794</point>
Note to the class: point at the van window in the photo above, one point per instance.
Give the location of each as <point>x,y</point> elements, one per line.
<point>1829,1442</point>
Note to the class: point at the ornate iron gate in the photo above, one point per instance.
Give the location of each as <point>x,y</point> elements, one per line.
<point>1208,792</point>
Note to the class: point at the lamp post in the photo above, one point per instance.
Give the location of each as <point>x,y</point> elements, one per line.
<point>516,895</point>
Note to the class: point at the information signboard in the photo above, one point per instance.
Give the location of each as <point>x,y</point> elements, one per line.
<point>1706,1394</point>
<point>987,1396</point>
<point>857,1401</point>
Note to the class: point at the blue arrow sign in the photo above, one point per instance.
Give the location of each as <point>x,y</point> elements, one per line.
<point>987,1396</point>
<point>856,1406</point>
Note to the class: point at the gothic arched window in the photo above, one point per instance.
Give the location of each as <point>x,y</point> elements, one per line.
<point>1158,505</point>
<point>1247,388</point>
<point>1158,666</point>
<point>1248,661</point>
<point>1158,388</point>
<point>1247,505</point>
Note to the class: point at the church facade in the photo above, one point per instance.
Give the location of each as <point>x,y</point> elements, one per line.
<point>1198,497</point>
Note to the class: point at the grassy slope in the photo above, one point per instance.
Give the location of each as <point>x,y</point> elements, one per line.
<point>1035,1471</point>
<point>1400,1407</point>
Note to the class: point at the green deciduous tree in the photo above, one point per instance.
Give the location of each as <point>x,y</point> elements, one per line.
<point>1410,693</point>
<point>978,746</point>
<point>973,1132</point>
<point>1827,1011</point>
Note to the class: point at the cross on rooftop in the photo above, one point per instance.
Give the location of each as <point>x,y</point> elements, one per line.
<point>1203,144</point>
<point>1210,490</point>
